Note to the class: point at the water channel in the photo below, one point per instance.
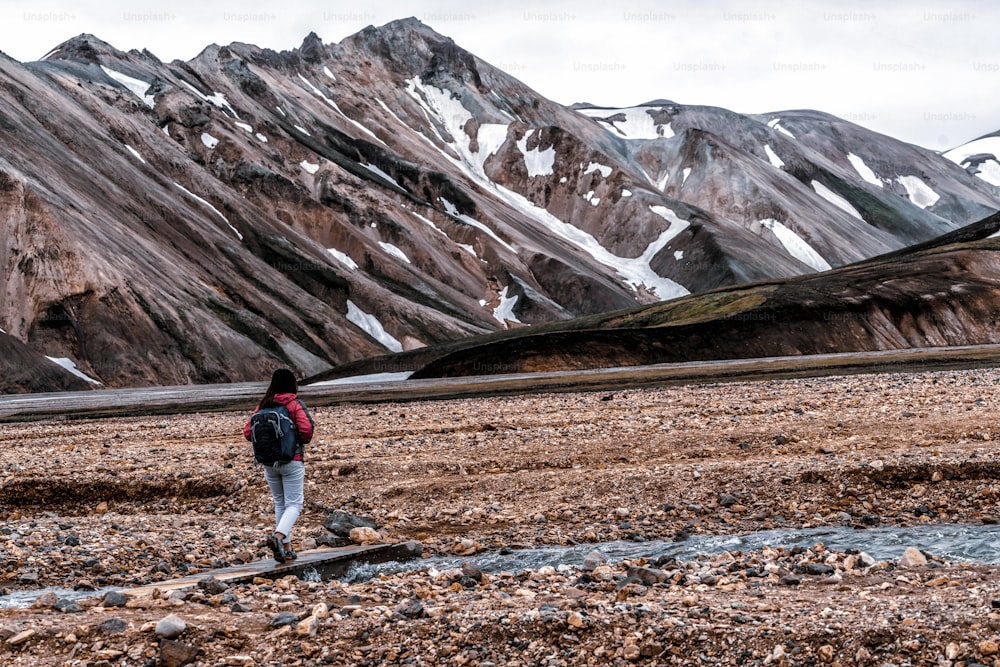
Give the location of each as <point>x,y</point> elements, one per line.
<point>953,542</point>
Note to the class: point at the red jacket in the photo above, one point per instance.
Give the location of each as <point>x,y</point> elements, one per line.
<point>300,417</point>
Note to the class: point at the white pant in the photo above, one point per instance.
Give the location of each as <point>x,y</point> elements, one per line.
<point>286,481</point>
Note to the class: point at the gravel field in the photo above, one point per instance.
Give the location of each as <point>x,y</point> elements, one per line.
<point>124,502</point>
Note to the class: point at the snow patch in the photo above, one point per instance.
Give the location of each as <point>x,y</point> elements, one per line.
<point>261,137</point>
<point>302,130</point>
<point>919,192</point>
<point>209,141</point>
<point>453,211</point>
<point>326,70</point>
<point>989,169</point>
<point>394,251</point>
<point>638,123</point>
<point>835,199</point>
<point>135,153</point>
<point>773,124</point>
<point>70,365</point>
<point>216,99</point>
<point>538,162</point>
<point>430,223</point>
<point>214,210</point>
<point>795,245</point>
<point>504,312</point>
<point>684,175</point>
<point>333,104</point>
<point>375,170</point>
<point>864,171</point>
<point>678,255</point>
<point>311,167</point>
<point>454,116</point>
<point>775,161</point>
<point>626,193</point>
<point>343,258</point>
<point>138,87</point>
<point>597,166</point>
<point>244,126</point>
<point>371,325</point>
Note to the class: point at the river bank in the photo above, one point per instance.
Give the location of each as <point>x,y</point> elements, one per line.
<point>126,502</point>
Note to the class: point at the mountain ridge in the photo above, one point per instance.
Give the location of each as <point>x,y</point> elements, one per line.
<point>209,219</point>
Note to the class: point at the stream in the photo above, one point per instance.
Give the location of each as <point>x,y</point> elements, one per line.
<point>954,542</point>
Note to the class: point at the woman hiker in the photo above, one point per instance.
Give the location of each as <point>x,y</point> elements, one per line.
<point>285,478</point>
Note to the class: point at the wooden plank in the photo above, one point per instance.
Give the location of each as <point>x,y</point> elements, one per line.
<point>328,559</point>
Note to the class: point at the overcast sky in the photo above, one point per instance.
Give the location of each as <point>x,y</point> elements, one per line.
<point>924,72</point>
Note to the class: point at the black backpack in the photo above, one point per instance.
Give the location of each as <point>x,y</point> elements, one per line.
<point>273,435</point>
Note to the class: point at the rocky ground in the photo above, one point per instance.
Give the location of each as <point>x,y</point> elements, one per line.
<point>129,501</point>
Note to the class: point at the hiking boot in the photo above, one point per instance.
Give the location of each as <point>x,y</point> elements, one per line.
<point>289,552</point>
<point>277,548</point>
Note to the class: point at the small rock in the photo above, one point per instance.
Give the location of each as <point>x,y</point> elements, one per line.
<point>102,508</point>
<point>989,647</point>
<point>213,586</point>
<point>470,570</point>
<point>284,618</point>
<point>912,558</point>
<point>67,606</point>
<point>790,580</point>
<point>878,465</point>
<point>308,628</point>
<point>365,535</point>
<point>818,569</point>
<point>728,500</point>
<point>114,599</point>
<point>647,575</point>
<point>320,610</point>
<point>631,651</point>
<point>465,547</point>
<point>594,559</point>
<point>239,661</point>
<point>341,523</point>
<point>170,627</point>
<point>952,651</point>
<point>112,626</point>
<point>176,654</point>
<point>21,637</point>
<point>46,600</point>
<point>825,653</point>
<point>410,608</point>
<point>575,619</point>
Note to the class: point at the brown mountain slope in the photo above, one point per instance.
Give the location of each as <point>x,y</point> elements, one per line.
<point>942,294</point>
<point>205,221</point>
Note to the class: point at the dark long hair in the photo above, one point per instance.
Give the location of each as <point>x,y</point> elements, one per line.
<point>282,382</point>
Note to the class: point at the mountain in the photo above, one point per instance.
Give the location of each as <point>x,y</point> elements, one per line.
<point>204,221</point>
<point>940,293</point>
<point>979,157</point>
